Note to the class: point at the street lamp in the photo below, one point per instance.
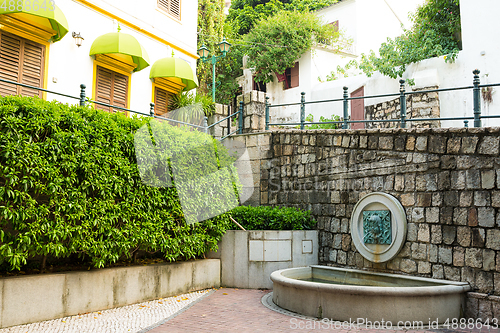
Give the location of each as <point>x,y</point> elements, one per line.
<point>203,52</point>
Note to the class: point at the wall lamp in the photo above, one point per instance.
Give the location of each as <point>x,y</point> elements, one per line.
<point>78,38</point>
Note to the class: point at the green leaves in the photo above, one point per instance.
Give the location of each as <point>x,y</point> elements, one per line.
<point>435,32</point>
<point>273,218</point>
<point>69,185</point>
<point>276,43</point>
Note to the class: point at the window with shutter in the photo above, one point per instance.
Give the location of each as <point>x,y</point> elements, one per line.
<point>22,61</point>
<point>162,99</point>
<point>335,25</point>
<point>172,7</point>
<point>292,77</point>
<point>111,88</point>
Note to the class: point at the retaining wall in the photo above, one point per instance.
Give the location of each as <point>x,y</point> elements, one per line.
<point>423,105</point>
<point>34,298</point>
<point>249,257</point>
<point>448,181</point>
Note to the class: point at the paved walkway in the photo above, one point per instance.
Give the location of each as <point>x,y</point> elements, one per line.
<point>241,310</point>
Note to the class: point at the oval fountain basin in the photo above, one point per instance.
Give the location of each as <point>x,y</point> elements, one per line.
<point>348,294</point>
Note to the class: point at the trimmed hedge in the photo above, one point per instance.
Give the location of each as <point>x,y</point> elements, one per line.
<point>273,218</point>
<point>70,185</point>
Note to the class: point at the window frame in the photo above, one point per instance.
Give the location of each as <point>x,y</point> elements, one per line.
<point>287,84</point>
<point>169,95</point>
<point>107,64</point>
<point>24,33</point>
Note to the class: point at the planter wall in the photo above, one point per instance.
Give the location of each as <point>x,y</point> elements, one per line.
<point>249,257</point>
<point>34,298</point>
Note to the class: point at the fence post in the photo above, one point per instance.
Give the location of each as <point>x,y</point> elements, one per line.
<point>205,124</point>
<point>302,109</point>
<point>82,94</point>
<point>240,119</point>
<point>402,102</point>
<point>346,108</point>
<point>152,109</point>
<point>229,112</point>
<point>267,113</point>
<point>477,99</point>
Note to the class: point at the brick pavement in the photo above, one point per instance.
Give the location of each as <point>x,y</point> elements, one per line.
<point>241,310</point>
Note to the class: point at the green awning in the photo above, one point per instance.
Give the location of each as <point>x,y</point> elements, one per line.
<point>51,12</point>
<point>118,42</point>
<point>174,67</point>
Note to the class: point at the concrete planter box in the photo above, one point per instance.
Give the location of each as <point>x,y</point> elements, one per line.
<point>249,257</point>
<point>34,298</point>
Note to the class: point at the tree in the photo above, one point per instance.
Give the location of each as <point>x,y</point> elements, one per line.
<point>212,27</point>
<point>274,44</point>
<point>435,32</point>
<point>245,13</point>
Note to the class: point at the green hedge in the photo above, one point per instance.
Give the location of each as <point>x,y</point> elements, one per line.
<point>272,218</point>
<point>70,186</point>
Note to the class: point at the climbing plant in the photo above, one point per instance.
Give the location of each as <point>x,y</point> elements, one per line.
<point>276,43</point>
<point>435,32</point>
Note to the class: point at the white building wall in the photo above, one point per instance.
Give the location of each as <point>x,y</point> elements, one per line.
<point>479,51</point>
<point>70,66</point>
<point>368,23</point>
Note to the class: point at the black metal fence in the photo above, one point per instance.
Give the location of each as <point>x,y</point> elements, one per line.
<point>84,100</point>
<point>476,93</point>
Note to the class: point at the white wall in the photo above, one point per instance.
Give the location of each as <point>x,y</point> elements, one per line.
<point>478,52</point>
<point>368,23</point>
<point>71,66</point>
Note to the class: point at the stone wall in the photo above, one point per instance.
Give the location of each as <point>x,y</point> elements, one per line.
<point>254,108</point>
<point>447,180</point>
<point>221,129</point>
<point>423,105</point>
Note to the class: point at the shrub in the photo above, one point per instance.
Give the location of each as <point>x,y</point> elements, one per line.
<point>70,186</point>
<point>272,218</point>
<point>310,118</point>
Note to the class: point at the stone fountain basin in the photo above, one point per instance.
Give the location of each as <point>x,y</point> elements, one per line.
<point>348,294</point>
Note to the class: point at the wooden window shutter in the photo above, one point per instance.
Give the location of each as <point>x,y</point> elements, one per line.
<point>162,98</point>
<point>32,73</point>
<point>111,88</point>
<point>294,76</point>
<point>172,7</point>
<point>21,61</point>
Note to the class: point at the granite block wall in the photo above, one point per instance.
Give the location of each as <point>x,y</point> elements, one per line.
<point>448,180</point>
<point>421,105</point>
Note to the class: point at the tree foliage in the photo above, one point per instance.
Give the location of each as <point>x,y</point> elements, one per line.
<point>276,43</point>
<point>212,27</point>
<point>246,13</point>
<point>435,32</point>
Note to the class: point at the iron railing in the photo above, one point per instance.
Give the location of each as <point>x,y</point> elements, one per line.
<point>84,100</point>
<point>476,88</point>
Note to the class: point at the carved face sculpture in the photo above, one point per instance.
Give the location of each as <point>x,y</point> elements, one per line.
<point>377,226</point>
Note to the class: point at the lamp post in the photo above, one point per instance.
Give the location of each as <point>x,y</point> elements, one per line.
<point>203,52</point>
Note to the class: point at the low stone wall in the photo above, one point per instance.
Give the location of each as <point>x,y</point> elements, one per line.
<point>446,179</point>
<point>423,105</point>
<point>221,129</point>
<point>249,257</point>
<point>34,298</point>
